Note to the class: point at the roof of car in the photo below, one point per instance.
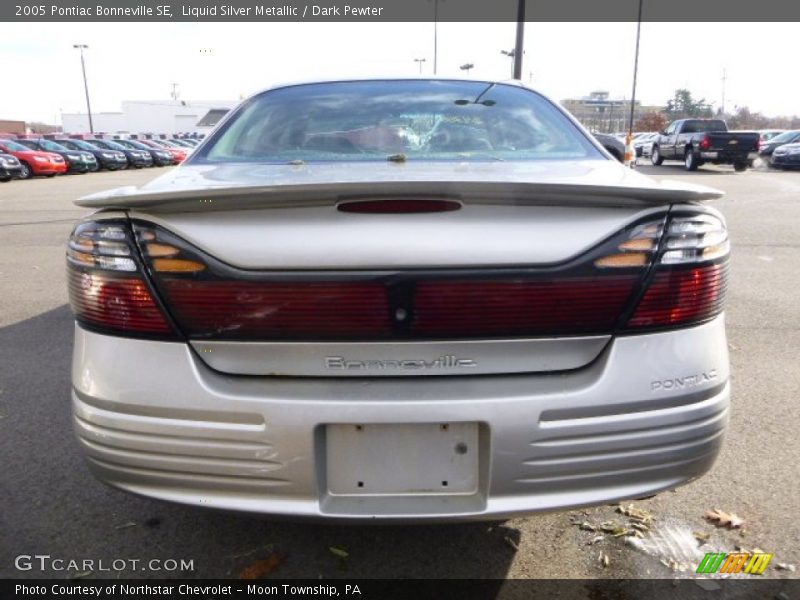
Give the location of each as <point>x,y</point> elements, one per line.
<point>299,82</point>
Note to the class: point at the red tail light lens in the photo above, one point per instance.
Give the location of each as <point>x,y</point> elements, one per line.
<point>691,275</point>
<point>273,310</point>
<point>398,206</point>
<point>107,291</point>
<point>705,143</point>
<point>119,304</point>
<point>683,296</point>
<point>522,307</point>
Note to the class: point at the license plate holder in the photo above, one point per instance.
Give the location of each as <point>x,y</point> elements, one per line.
<point>402,459</point>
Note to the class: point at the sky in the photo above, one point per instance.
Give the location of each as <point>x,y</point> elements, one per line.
<point>227,61</point>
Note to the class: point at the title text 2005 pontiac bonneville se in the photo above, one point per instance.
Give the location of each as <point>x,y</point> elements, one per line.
<point>399,299</point>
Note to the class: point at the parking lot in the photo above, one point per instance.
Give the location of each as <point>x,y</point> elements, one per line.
<point>51,505</point>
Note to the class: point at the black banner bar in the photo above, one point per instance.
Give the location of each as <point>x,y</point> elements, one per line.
<point>397,10</point>
<point>742,588</point>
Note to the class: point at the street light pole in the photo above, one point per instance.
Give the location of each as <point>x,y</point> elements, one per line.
<point>81,47</point>
<point>511,54</point>
<point>435,34</point>
<point>520,36</point>
<point>635,70</point>
<point>419,61</point>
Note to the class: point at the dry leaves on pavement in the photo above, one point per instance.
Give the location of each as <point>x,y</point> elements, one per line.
<point>723,519</point>
<point>262,567</point>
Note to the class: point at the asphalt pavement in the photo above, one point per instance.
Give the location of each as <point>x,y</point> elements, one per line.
<point>51,505</point>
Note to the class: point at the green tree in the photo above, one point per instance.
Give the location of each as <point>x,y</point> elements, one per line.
<point>683,105</point>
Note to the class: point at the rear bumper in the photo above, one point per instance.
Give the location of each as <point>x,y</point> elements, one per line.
<point>728,157</point>
<point>648,415</point>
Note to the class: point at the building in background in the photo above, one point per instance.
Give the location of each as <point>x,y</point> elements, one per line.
<point>157,116</point>
<point>598,112</point>
<point>15,127</point>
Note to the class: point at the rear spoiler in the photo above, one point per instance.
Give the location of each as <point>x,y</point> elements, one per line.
<point>232,197</point>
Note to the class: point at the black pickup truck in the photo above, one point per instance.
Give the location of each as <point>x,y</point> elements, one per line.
<point>699,141</point>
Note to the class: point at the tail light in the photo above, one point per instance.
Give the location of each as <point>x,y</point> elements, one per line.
<point>690,276</point>
<point>107,290</point>
<point>705,143</point>
<point>662,273</point>
<point>211,300</point>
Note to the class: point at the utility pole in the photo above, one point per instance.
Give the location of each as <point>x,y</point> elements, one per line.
<point>82,47</point>
<point>635,71</point>
<point>517,74</point>
<point>435,35</point>
<point>511,54</point>
<point>419,61</point>
<point>174,91</point>
<point>724,80</point>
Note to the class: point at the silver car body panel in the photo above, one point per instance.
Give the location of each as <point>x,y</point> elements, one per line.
<point>646,416</point>
<point>321,238</point>
<point>396,359</point>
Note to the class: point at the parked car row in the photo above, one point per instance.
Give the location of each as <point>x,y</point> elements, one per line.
<point>24,157</point>
<point>699,141</point>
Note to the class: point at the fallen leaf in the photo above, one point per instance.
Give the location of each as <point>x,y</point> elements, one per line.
<point>126,525</point>
<point>701,536</point>
<point>82,575</point>
<point>511,543</point>
<point>609,526</point>
<point>620,531</point>
<point>594,540</point>
<point>262,549</point>
<point>638,514</point>
<point>340,552</point>
<point>722,519</point>
<point>604,559</point>
<point>586,526</point>
<point>640,526</point>
<point>262,567</point>
<point>785,567</point>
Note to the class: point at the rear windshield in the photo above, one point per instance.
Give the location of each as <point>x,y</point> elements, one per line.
<point>413,120</point>
<point>701,126</point>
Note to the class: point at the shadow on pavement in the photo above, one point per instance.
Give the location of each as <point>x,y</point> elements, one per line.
<point>52,505</point>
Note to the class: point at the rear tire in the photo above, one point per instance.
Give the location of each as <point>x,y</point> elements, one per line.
<point>5,179</point>
<point>655,157</point>
<point>690,160</point>
<point>26,172</point>
<point>742,166</point>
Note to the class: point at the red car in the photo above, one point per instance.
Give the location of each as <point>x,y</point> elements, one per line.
<point>178,155</point>
<point>34,162</point>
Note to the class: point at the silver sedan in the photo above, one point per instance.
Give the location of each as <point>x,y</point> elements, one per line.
<point>399,300</point>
